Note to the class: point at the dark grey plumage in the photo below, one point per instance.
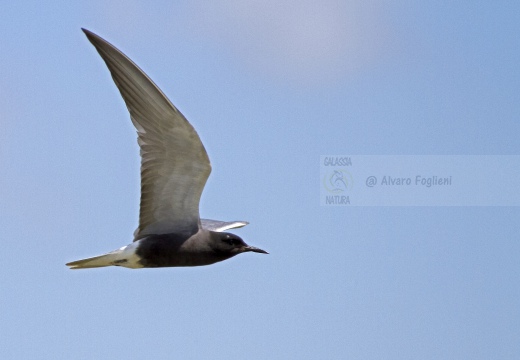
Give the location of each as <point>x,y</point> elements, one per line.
<point>204,248</point>
<point>174,170</point>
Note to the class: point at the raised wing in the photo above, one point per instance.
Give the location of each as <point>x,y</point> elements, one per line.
<point>217,225</point>
<point>174,164</point>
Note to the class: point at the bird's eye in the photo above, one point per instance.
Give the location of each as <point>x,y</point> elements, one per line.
<point>229,241</point>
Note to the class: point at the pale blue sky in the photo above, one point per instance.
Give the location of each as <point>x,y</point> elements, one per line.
<point>269,86</point>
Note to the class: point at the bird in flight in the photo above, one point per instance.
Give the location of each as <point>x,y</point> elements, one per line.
<point>174,170</point>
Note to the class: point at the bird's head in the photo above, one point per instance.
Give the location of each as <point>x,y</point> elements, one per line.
<point>232,244</point>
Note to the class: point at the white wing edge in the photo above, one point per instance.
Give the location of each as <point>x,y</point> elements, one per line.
<point>217,225</point>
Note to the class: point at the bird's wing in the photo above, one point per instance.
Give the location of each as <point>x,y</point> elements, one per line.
<point>174,163</point>
<point>217,225</point>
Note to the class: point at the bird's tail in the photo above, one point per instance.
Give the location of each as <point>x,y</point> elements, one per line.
<point>93,262</point>
<point>124,256</point>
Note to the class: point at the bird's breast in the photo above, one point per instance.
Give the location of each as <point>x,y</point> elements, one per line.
<point>174,250</point>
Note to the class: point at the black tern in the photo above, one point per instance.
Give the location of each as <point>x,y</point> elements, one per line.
<point>174,170</point>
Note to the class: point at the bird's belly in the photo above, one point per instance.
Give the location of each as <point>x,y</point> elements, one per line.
<point>169,252</point>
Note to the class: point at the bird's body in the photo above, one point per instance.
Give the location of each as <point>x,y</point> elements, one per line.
<point>171,250</point>
<point>167,250</point>
<point>174,170</point>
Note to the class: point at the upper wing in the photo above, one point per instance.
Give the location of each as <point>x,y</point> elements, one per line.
<point>174,164</point>
<point>217,225</point>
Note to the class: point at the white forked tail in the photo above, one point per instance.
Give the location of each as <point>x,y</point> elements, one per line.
<point>121,257</point>
<point>93,262</point>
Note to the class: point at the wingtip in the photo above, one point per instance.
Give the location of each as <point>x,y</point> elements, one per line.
<point>241,224</point>
<point>90,34</point>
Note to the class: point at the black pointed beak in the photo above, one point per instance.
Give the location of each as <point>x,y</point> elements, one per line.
<point>255,249</point>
